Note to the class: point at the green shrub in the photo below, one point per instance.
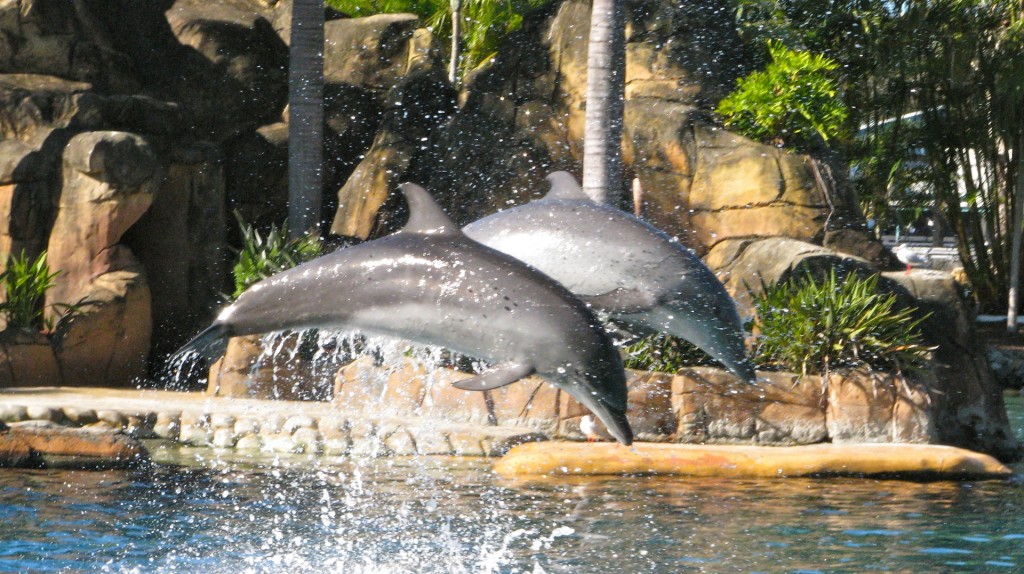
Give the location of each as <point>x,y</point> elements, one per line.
<point>788,103</point>
<point>261,257</point>
<point>25,285</point>
<point>810,326</point>
<point>665,353</point>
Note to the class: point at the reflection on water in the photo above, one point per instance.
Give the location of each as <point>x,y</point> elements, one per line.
<point>451,515</point>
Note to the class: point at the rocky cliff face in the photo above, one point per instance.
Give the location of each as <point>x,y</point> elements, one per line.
<point>132,127</point>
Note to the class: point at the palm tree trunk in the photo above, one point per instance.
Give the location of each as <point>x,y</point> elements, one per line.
<point>453,64</point>
<point>306,117</point>
<point>606,81</point>
<point>1017,231</point>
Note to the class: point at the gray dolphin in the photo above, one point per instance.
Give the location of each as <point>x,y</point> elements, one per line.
<point>621,265</point>
<point>431,284</point>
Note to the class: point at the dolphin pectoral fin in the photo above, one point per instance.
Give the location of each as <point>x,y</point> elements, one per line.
<point>495,378</point>
<point>622,301</point>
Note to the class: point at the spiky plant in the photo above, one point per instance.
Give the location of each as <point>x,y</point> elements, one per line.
<point>25,284</point>
<point>662,352</point>
<point>260,257</point>
<point>811,326</point>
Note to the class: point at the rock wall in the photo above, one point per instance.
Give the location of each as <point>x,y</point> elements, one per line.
<point>696,405</point>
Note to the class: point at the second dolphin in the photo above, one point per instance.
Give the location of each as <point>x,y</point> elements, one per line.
<point>621,265</point>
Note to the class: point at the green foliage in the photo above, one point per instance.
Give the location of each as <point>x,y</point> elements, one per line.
<point>484,22</point>
<point>937,90</point>
<point>25,285</point>
<point>261,257</point>
<point>810,326</point>
<point>790,102</point>
<point>665,353</point>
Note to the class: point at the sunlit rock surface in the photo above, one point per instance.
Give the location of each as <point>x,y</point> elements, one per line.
<point>88,445</point>
<point>901,460</point>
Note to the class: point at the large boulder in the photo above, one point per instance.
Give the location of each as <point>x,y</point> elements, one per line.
<point>105,342</point>
<point>109,180</point>
<point>966,397</point>
<point>963,395</point>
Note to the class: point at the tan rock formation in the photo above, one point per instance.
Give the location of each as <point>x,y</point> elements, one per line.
<point>106,344</point>
<point>15,452</point>
<point>872,407</point>
<point>109,182</point>
<point>110,448</point>
<point>231,70</point>
<point>712,406</point>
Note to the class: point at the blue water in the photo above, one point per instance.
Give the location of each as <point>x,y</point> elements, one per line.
<point>454,515</point>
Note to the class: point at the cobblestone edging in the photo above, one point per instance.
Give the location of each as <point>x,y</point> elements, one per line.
<point>276,432</point>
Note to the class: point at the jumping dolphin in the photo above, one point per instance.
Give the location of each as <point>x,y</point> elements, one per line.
<point>431,284</point>
<point>621,265</point>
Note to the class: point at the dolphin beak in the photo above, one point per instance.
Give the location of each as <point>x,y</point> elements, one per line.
<point>614,420</point>
<point>618,425</point>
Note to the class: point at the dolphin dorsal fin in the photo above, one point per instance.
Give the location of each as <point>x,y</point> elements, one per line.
<point>564,186</point>
<point>425,215</point>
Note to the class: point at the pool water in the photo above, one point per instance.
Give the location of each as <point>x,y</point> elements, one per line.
<point>218,512</point>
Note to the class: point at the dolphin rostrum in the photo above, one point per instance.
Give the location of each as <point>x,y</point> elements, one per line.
<point>430,284</point>
<point>621,265</point>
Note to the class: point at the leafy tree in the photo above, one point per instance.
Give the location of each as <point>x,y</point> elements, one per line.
<point>791,102</point>
<point>936,90</point>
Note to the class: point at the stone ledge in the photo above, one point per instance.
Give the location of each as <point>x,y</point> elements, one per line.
<point>268,426</point>
<point>740,461</point>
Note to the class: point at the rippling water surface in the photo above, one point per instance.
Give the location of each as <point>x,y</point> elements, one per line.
<point>451,515</point>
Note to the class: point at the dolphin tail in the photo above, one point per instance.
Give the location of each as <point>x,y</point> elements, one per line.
<point>211,343</point>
